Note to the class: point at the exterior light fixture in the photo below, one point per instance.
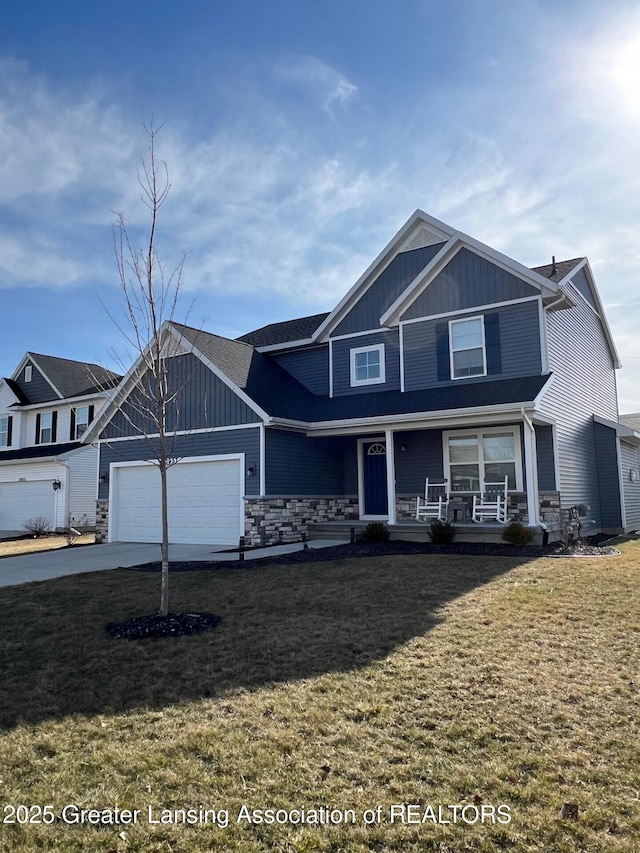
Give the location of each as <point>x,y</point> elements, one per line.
<point>56,485</point>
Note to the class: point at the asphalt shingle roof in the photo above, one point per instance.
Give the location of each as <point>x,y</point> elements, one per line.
<point>75,378</point>
<point>39,450</point>
<point>563,268</point>
<point>280,395</point>
<point>290,330</point>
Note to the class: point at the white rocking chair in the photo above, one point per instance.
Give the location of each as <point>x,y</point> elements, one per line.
<point>435,503</point>
<point>491,503</point>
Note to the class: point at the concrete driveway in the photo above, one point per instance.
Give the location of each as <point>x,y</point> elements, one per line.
<point>91,558</point>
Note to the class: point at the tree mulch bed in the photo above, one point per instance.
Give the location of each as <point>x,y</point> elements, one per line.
<point>359,550</point>
<point>171,625</point>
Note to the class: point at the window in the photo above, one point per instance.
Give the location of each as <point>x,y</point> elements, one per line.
<point>5,431</point>
<point>80,421</point>
<point>46,428</point>
<point>27,373</point>
<point>468,356</point>
<point>367,365</point>
<point>480,457</point>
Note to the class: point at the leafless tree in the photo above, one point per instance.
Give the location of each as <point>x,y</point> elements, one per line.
<point>150,400</point>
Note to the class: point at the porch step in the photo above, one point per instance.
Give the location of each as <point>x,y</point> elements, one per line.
<point>413,531</point>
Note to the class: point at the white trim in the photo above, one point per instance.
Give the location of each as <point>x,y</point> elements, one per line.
<point>28,373</point>
<point>452,352</point>
<point>556,454</point>
<point>221,376</point>
<point>263,460</point>
<point>376,380</point>
<point>330,367</point>
<point>391,477</point>
<point>285,345</point>
<point>381,262</point>
<point>476,308</point>
<point>126,385</point>
<point>584,264</point>
<point>544,345</point>
<point>498,415</point>
<point>411,292</point>
<point>63,401</point>
<point>143,436</point>
<point>225,457</point>
<point>482,431</point>
<point>28,356</point>
<point>360,457</point>
<point>377,331</point>
<point>531,469</point>
<point>457,242</point>
<point>401,350</point>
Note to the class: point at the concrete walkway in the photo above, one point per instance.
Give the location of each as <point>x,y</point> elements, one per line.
<point>91,558</point>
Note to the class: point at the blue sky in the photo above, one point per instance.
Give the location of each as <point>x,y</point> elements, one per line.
<point>299,136</point>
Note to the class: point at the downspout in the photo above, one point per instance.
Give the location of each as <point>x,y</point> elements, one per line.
<point>530,459</point>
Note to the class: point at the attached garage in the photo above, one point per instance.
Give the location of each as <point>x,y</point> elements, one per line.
<point>204,501</point>
<point>26,499</point>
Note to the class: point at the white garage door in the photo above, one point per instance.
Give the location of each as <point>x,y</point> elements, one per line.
<point>24,500</point>
<point>204,503</point>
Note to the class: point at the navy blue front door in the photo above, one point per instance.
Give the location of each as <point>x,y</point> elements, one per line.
<point>375,478</point>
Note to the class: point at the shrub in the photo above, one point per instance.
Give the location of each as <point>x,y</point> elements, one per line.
<point>517,534</point>
<point>375,531</point>
<point>441,532</point>
<point>38,526</point>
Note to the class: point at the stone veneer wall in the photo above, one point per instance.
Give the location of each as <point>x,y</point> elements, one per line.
<point>102,520</point>
<point>549,506</point>
<point>271,520</point>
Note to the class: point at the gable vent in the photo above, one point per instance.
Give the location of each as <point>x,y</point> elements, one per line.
<point>421,238</point>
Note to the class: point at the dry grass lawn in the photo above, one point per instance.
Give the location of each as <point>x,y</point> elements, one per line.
<point>15,547</point>
<point>427,680</point>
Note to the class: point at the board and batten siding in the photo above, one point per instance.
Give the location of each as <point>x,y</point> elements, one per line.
<point>342,363</point>
<point>630,462</point>
<point>608,477</point>
<point>297,465</point>
<point>309,366</point>
<point>466,281</point>
<point>383,292</point>
<point>38,390</point>
<point>583,384</point>
<point>520,349</point>
<point>545,458</point>
<point>203,401</point>
<point>422,458</point>
<point>245,441</point>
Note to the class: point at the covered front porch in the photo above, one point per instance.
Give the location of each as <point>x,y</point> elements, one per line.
<point>467,453</point>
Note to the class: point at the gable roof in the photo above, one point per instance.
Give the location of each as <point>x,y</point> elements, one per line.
<point>69,378</point>
<point>300,329</point>
<point>559,270</point>
<point>256,375</point>
<point>21,400</point>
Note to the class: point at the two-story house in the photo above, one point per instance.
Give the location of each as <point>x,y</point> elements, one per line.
<point>46,472</point>
<point>445,360</point>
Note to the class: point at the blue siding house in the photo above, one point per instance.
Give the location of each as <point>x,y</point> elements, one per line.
<point>446,359</point>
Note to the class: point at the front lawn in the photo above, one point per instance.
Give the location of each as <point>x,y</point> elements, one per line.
<point>461,682</point>
<point>32,544</point>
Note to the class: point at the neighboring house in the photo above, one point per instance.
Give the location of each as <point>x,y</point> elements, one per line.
<point>45,470</point>
<point>446,359</point>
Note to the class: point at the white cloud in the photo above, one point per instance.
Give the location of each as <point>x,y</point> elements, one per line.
<point>327,84</point>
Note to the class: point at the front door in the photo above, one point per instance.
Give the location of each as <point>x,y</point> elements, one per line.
<point>375,478</point>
